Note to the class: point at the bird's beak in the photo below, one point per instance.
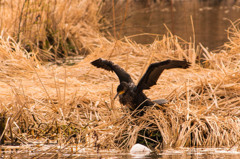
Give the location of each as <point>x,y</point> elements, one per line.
<point>116,96</point>
<point>119,93</point>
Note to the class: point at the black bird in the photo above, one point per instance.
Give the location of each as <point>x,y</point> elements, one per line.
<point>132,95</point>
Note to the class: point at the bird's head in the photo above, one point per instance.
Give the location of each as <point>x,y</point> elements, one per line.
<point>121,89</point>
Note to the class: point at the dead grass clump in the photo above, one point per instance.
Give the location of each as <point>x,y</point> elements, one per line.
<point>14,60</point>
<point>74,104</point>
<point>226,59</point>
<point>53,29</point>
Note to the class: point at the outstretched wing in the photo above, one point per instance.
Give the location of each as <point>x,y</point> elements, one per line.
<point>154,71</point>
<point>110,66</point>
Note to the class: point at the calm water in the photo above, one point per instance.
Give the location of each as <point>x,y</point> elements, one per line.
<point>210,18</point>
<point>53,152</point>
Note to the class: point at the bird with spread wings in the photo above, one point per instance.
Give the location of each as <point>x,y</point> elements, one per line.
<point>132,95</point>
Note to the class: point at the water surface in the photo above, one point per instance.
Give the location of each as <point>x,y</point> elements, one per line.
<point>211,19</point>
<point>52,151</point>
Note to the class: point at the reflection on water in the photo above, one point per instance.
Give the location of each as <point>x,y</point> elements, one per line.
<point>210,18</point>
<point>71,152</point>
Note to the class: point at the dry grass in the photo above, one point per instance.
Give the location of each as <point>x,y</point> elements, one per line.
<point>62,103</point>
<point>53,29</point>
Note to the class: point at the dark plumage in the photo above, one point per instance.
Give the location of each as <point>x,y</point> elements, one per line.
<point>132,95</point>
